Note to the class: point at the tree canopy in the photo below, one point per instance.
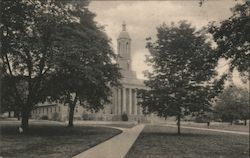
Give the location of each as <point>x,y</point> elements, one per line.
<point>183,67</point>
<point>44,40</point>
<point>84,71</point>
<point>233,104</point>
<point>27,49</point>
<point>232,38</point>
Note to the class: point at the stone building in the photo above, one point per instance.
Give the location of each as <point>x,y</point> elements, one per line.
<point>55,111</point>
<point>124,100</point>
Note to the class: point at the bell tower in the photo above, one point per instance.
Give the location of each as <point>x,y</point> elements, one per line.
<point>124,49</point>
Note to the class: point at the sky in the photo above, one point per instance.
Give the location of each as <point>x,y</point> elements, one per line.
<point>143,17</point>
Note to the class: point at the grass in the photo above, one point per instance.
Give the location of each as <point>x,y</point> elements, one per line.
<point>221,126</point>
<point>50,140</point>
<point>163,142</point>
<point>122,125</point>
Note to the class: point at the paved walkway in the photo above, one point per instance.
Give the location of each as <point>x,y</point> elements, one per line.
<point>214,130</point>
<point>116,147</point>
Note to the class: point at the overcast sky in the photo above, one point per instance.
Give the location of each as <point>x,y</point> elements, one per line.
<point>142,18</point>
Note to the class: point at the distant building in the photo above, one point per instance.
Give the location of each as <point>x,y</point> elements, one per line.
<point>55,111</point>
<point>124,100</point>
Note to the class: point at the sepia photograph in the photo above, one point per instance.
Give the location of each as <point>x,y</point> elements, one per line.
<point>124,78</point>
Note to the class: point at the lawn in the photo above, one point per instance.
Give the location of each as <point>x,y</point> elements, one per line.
<point>121,125</point>
<point>50,140</point>
<point>222,126</point>
<point>163,142</point>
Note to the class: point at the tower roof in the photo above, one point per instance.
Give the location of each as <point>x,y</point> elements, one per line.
<point>124,33</point>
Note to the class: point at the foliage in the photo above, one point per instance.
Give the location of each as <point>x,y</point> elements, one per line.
<point>29,47</point>
<point>233,104</point>
<point>183,66</point>
<point>44,117</point>
<point>55,116</point>
<point>232,38</point>
<point>55,44</point>
<point>84,71</point>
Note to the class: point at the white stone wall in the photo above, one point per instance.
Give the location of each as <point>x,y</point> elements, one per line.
<point>50,111</point>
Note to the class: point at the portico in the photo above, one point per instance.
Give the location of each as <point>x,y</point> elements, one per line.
<point>125,101</point>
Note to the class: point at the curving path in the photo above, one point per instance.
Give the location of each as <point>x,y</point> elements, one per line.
<point>116,147</point>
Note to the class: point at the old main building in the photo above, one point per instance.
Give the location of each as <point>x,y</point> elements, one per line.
<point>124,100</point>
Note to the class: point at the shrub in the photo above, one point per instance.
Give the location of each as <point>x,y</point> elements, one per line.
<point>77,118</point>
<point>85,117</point>
<point>201,119</point>
<point>124,117</point>
<point>44,117</point>
<point>55,117</point>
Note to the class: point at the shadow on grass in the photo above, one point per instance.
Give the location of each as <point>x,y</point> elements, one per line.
<point>194,135</point>
<point>49,141</point>
<point>159,142</point>
<point>50,130</point>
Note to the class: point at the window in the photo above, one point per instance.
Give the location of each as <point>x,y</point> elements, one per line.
<point>127,47</point>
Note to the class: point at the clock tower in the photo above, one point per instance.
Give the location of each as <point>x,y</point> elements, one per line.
<point>124,52</point>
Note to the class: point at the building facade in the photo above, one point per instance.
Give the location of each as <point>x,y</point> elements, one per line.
<point>55,111</point>
<point>123,100</point>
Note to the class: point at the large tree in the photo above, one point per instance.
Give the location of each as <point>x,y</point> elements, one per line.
<point>85,71</point>
<point>183,64</point>
<point>233,104</point>
<point>232,38</point>
<point>27,49</point>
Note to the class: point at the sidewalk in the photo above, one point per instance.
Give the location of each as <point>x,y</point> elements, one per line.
<point>214,130</point>
<point>116,147</point>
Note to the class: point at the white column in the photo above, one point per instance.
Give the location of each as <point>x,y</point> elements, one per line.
<point>135,102</point>
<point>124,100</point>
<point>118,101</point>
<point>115,101</point>
<point>130,101</point>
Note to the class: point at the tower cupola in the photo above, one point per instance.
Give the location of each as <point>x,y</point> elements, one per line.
<point>124,34</point>
<point>124,43</point>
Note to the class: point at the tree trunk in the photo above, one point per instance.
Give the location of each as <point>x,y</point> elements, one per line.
<point>25,120</point>
<point>72,106</point>
<point>18,116</point>
<point>245,122</point>
<point>71,115</point>
<point>179,124</point>
<point>9,114</point>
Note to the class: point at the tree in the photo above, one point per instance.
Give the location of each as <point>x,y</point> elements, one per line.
<point>233,104</point>
<point>183,64</point>
<point>27,49</point>
<point>232,38</point>
<point>84,72</point>
<point>9,102</point>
